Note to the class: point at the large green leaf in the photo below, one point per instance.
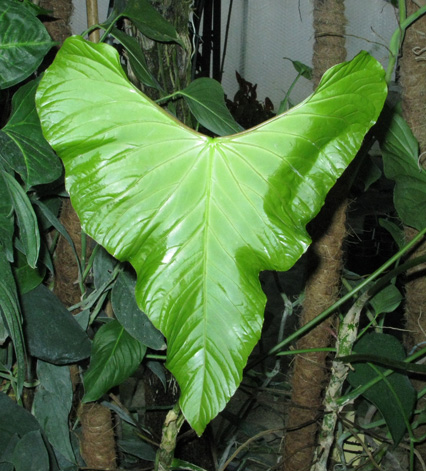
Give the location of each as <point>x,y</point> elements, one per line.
<point>200,217</point>
<point>24,41</point>
<point>22,145</point>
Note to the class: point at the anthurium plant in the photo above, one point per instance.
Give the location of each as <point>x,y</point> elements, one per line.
<point>199,217</point>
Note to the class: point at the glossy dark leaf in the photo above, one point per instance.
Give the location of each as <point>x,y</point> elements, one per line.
<point>52,334</point>
<point>129,315</point>
<point>22,145</point>
<point>396,397</point>
<point>115,356</point>
<point>24,41</point>
<point>136,58</point>
<point>206,100</point>
<point>150,22</point>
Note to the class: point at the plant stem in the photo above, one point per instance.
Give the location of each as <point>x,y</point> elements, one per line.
<point>171,427</point>
<point>310,325</point>
<point>398,36</point>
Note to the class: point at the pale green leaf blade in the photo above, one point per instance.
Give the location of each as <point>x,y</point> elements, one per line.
<point>206,100</point>
<point>115,356</point>
<point>26,151</point>
<point>24,41</point>
<point>199,217</point>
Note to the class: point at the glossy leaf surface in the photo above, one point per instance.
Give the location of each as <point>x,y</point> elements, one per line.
<point>206,100</point>
<point>115,356</point>
<point>200,217</point>
<point>24,41</point>
<point>22,145</point>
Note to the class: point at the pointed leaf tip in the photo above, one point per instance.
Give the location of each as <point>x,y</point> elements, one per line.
<point>197,217</point>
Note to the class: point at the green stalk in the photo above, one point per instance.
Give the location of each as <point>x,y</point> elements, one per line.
<point>398,36</point>
<point>310,325</point>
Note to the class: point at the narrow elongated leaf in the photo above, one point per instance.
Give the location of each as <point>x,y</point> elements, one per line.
<point>22,145</point>
<point>115,356</point>
<point>136,58</point>
<point>150,22</point>
<point>206,100</point>
<point>400,162</point>
<point>7,220</point>
<point>10,312</point>
<point>200,217</point>
<point>24,41</point>
<point>27,220</point>
<point>396,397</point>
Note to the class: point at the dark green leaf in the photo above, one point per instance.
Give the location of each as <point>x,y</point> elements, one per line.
<point>137,448</point>
<point>381,394</point>
<point>7,222</point>
<point>28,278</point>
<point>395,231</point>
<point>396,365</point>
<point>30,453</point>
<point>206,100</point>
<point>181,464</point>
<point>22,145</point>
<point>150,22</point>
<point>302,69</point>
<point>52,333</point>
<point>386,300</point>
<point>56,223</point>
<point>136,58</point>
<point>14,420</point>
<point>130,316</point>
<point>10,311</point>
<point>103,267</point>
<point>27,220</point>
<point>400,160</point>
<point>24,41</point>
<point>52,405</point>
<point>200,217</point>
<point>115,356</point>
